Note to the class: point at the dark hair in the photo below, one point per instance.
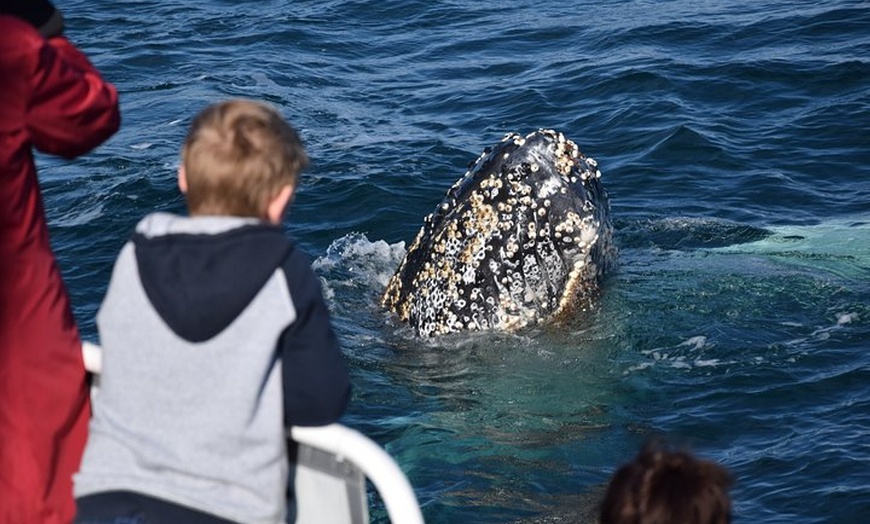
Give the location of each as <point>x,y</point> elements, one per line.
<point>37,12</point>
<point>667,487</point>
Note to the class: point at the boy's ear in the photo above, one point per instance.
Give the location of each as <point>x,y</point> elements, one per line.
<point>278,204</point>
<point>182,179</point>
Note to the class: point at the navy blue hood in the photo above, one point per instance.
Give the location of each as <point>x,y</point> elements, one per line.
<point>199,282</point>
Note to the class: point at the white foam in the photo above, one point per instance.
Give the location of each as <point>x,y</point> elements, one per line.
<point>328,292</point>
<point>824,333</point>
<point>354,259</point>
<point>846,318</point>
<point>676,358</point>
<point>695,343</point>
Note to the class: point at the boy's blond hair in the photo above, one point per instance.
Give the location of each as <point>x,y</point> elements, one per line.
<point>237,156</point>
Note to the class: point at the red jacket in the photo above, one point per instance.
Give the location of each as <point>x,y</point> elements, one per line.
<point>53,99</point>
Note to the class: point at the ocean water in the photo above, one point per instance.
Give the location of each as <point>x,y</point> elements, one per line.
<point>733,138</point>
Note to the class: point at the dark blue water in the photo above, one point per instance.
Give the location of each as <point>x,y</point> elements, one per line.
<point>734,139</point>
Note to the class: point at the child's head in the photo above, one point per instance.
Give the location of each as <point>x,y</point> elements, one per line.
<point>662,487</point>
<point>238,158</point>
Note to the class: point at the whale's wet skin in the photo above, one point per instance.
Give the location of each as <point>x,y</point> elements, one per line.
<point>524,237</point>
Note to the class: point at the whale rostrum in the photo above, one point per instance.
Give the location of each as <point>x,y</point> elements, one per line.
<point>523,237</point>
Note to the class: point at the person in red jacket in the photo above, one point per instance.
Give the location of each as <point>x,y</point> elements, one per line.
<point>52,99</point>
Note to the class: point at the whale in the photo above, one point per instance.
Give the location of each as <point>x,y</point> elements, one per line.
<point>523,238</point>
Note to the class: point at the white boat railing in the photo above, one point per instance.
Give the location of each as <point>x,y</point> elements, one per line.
<point>345,447</point>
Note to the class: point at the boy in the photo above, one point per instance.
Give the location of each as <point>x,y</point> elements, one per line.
<point>212,327</point>
<point>667,487</point>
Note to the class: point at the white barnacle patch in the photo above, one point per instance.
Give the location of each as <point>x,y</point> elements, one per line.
<point>549,187</point>
<point>505,207</point>
<point>439,246</point>
<point>532,230</point>
<point>572,218</point>
<point>574,281</point>
<point>516,287</point>
<point>589,235</point>
<point>511,248</point>
<point>564,162</point>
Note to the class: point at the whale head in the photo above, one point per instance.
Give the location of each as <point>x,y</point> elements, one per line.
<point>524,237</point>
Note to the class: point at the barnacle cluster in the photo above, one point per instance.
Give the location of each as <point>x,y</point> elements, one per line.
<point>516,241</point>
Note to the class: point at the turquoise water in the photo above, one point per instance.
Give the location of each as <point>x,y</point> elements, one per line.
<point>733,138</point>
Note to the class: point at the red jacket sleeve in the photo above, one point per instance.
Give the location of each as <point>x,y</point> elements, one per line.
<point>72,109</point>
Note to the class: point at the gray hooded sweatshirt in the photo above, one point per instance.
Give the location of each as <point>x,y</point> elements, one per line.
<point>216,338</point>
